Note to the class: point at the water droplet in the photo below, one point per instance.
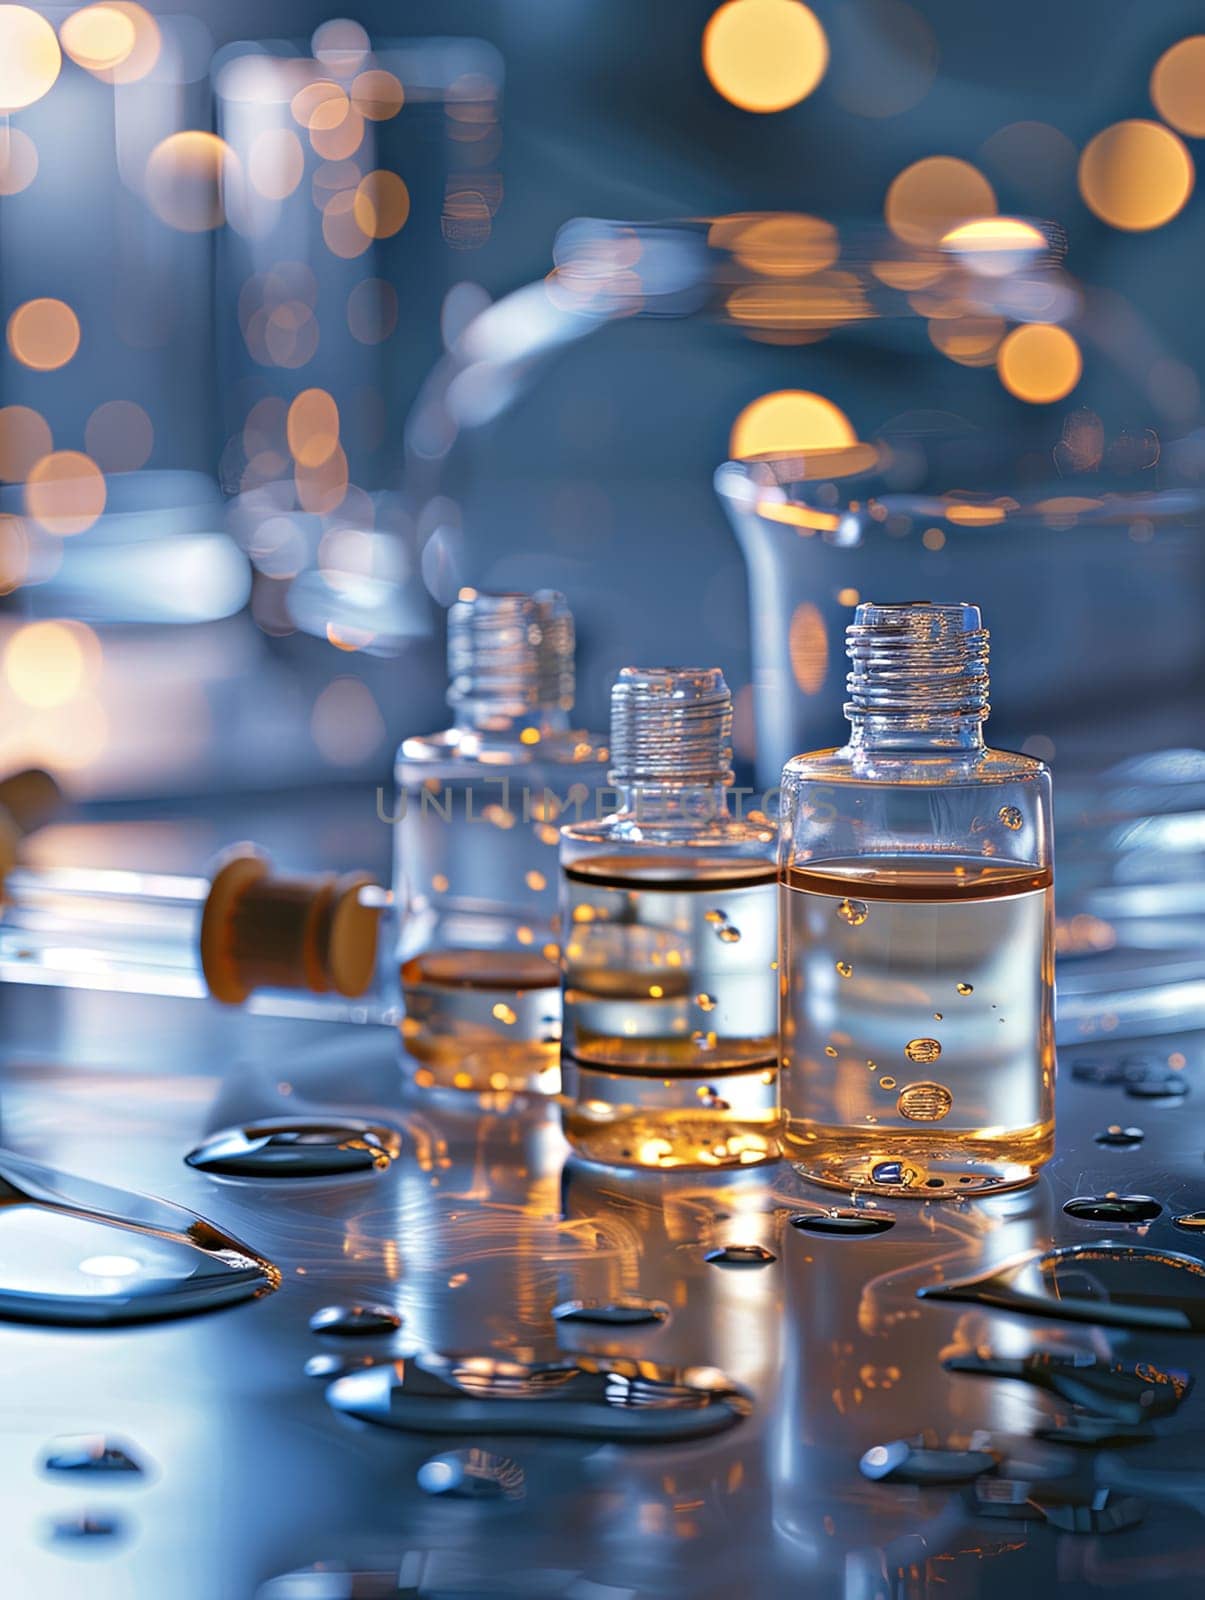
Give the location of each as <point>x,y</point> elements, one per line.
<point>848,1224</point>
<point>705,1002</point>
<point>924,1102</point>
<point>1156,1084</point>
<point>855,912</point>
<point>306,1148</point>
<point>886,1082</point>
<point>922,1050</point>
<point>844,970</point>
<point>585,1397</point>
<point>1115,1134</point>
<point>937,1016</point>
<point>630,1312</point>
<point>82,1254</point>
<point>85,1525</point>
<point>91,1454</point>
<point>355,1320</point>
<point>1011,818</point>
<point>740,1255</point>
<point>1107,1283</point>
<point>716,918</point>
<point>334,1364</point>
<point>1191,1221</point>
<point>1125,1392</point>
<point>830,1050</point>
<point>873,1065</point>
<point>471,1474</point>
<point>904,1462</point>
<point>729,934</point>
<point>966,988</point>
<point>1114,1208</point>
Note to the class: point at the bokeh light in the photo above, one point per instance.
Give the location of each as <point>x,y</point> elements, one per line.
<point>381,204</point>
<point>377,95</point>
<point>341,231</point>
<point>764,55</point>
<point>971,341</point>
<point>1178,86</point>
<point>46,663</point>
<point>1136,175</point>
<point>372,309</point>
<point>99,37</point>
<point>24,438</point>
<point>341,45</point>
<point>933,196</point>
<point>884,57</point>
<point>807,646</point>
<point>275,163</point>
<point>780,244</point>
<point>14,553</point>
<point>312,427</point>
<point>788,422</point>
<point>145,50</point>
<point>322,488</point>
<point>346,723</point>
<point>995,246</point>
<point>30,57</point>
<point>119,436</point>
<point>43,334</point>
<point>18,159</point>
<point>65,492</point>
<point>1039,363</point>
<point>187,176</point>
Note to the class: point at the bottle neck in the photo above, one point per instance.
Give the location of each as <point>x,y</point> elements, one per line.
<point>918,678</point>
<point>671,802</point>
<point>671,742</point>
<point>510,664</point>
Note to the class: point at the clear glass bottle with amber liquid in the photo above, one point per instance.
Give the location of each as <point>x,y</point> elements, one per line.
<point>475,862</point>
<point>670,943</point>
<point>917,968</point>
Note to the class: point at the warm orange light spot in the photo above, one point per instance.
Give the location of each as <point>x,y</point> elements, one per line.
<point>336,129</point>
<point>971,341</point>
<point>144,49</point>
<point>18,159</point>
<point>933,539</point>
<point>343,235</point>
<point>275,163</point>
<point>372,310</point>
<point>800,312</point>
<point>119,436</point>
<point>187,177</point>
<point>793,515</point>
<point>311,97</point>
<point>381,205</point>
<point>24,438</point>
<point>45,663</point>
<point>807,643</point>
<point>322,488</point>
<point>65,492</point>
<point>377,95</point>
<point>312,427</point>
<point>14,553</point>
<point>99,37</point>
<point>43,334</point>
<point>995,245</point>
<point>1136,175</point>
<point>789,421</point>
<point>975,513</point>
<point>764,55</point>
<point>782,244</point>
<point>1039,363</point>
<point>341,45</point>
<point>30,57</point>
<point>848,597</point>
<point>1178,86</point>
<point>935,195</point>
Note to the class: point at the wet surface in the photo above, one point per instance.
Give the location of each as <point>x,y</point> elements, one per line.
<point>479,1230</point>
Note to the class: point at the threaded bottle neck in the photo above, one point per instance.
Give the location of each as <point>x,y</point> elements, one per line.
<point>510,658</point>
<point>918,676</point>
<point>671,726</point>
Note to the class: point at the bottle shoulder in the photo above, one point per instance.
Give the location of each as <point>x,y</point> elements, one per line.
<point>926,768</point>
<point>472,751</point>
<point>624,830</point>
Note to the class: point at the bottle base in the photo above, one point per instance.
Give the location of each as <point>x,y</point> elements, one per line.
<point>903,1166</point>
<point>726,1119</point>
<point>482,1021</point>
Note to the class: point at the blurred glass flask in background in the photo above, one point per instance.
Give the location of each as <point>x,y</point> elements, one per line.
<point>475,877</point>
<point>917,927</point>
<point>671,1046</point>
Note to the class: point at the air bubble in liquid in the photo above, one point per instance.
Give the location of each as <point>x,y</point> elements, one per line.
<point>923,1050</point>
<point>844,969</point>
<point>886,1083</point>
<point>729,934</point>
<point>1011,818</point>
<point>855,912</point>
<point>966,988</point>
<point>924,1102</point>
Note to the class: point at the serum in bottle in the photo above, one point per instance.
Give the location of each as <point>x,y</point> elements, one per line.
<point>670,943</point>
<point>917,927</point>
<point>475,865</point>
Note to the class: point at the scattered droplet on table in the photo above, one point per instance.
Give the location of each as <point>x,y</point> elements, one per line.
<point>91,1453</point>
<point>309,1148</point>
<point>1113,1208</point>
<point>740,1255</point>
<point>630,1312</point>
<point>357,1321</point>
<point>847,1224</point>
<point>471,1474</point>
<point>1120,1137</point>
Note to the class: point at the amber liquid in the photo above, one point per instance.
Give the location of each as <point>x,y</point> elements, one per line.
<point>917,1023</point>
<point>483,1019</point>
<point>670,1010</point>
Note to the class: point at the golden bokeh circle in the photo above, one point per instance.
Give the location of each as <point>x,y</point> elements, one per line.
<point>381,204</point>
<point>377,94</point>
<point>764,55</point>
<point>1178,86</point>
<point>65,492</point>
<point>46,663</point>
<point>43,334</point>
<point>789,422</point>
<point>312,427</point>
<point>18,159</point>
<point>187,176</point>
<point>99,38</point>
<point>935,195</point>
<point>30,58</point>
<point>1039,362</point>
<point>1136,175</point>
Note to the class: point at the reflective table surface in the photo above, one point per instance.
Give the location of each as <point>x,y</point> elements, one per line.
<point>473,1227</point>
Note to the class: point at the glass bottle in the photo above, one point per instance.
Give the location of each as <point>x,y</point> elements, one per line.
<point>669,905</point>
<point>917,977</point>
<point>475,874</point>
